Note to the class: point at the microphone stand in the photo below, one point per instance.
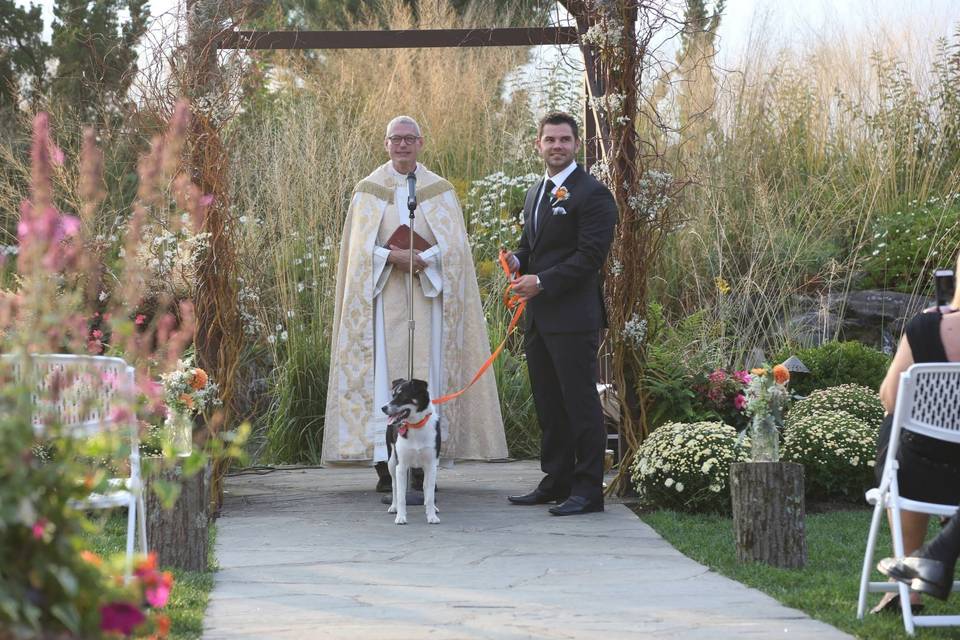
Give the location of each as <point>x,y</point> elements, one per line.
<point>411,323</point>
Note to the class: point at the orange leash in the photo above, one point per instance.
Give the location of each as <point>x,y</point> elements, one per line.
<point>512,301</point>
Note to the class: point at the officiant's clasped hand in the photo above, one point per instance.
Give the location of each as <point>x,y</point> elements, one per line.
<point>401,258</point>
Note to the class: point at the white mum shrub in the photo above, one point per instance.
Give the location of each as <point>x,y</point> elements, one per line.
<point>686,466</point>
<point>858,401</point>
<point>837,451</point>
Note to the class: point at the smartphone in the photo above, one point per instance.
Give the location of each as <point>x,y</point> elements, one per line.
<point>944,285</point>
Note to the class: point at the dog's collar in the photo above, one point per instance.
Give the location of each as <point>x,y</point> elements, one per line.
<point>414,425</point>
<point>418,425</point>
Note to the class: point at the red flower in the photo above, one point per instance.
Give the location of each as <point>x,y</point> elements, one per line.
<point>121,617</point>
<point>140,319</point>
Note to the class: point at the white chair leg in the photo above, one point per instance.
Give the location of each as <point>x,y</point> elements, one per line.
<point>898,551</point>
<point>868,559</point>
<point>143,525</point>
<point>905,607</point>
<point>131,534</point>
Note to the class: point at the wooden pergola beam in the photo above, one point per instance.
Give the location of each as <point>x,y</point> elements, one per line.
<point>408,39</point>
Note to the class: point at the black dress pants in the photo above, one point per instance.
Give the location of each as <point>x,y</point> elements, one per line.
<point>562,368</point>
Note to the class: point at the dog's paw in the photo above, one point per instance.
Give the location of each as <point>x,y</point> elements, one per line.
<point>432,519</point>
<point>400,519</point>
<point>392,508</point>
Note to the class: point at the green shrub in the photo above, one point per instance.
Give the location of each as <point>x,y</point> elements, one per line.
<point>678,353</point>
<point>906,243</point>
<point>837,451</point>
<point>685,466</point>
<point>835,363</point>
<point>858,401</point>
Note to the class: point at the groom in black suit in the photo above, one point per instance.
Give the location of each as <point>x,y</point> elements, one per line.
<point>569,220</point>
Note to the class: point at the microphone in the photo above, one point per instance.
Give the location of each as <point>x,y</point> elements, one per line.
<point>412,190</point>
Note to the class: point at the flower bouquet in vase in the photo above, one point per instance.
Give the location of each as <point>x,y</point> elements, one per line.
<point>188,391</point>
<point>767,397</point>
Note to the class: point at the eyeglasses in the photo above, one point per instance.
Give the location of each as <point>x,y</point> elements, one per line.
<point>396,140</point>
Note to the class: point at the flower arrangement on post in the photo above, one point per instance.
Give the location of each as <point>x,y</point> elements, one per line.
<point>724,393</point>
<point>187,391</point>
<point>767,396</point>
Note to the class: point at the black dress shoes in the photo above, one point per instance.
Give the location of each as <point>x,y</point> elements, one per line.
<point>537,496</point>
<point>414,498</point>
<point>922,574</point>
<point>575,505</point>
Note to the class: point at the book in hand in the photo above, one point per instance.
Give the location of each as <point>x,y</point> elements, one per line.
<point>401,239</point>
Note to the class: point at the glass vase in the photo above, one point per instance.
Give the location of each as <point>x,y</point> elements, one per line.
<point>180,426</point>
<point>764,439</point>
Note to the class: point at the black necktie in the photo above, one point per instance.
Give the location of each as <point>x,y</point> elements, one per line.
<point>543,208</point>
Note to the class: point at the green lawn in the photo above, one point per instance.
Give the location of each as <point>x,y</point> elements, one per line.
<point>826,589</point>
<point>191,589</point>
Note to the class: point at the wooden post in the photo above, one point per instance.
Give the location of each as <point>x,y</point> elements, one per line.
<point>179,535</point>
<point>768,513</point>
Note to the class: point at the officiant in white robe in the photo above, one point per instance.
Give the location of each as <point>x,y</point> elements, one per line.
<point>370,325</point>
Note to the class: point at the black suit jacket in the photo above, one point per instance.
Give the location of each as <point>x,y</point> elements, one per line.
<point>568,253</point>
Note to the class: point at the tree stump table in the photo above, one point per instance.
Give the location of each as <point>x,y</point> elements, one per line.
<point>179,535</point>
<point>768,513</point>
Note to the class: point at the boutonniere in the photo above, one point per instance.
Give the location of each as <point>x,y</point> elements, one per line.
<point>560,195</point>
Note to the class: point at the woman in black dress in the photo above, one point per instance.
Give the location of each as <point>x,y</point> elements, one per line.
<point>929,469</point>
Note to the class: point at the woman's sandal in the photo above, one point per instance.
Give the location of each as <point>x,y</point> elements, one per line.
<point>892,605</point>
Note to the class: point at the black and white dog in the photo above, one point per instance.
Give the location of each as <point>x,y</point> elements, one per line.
<point>413,441</point>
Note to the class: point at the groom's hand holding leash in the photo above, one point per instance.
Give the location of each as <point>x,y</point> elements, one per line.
<point>527,286</point>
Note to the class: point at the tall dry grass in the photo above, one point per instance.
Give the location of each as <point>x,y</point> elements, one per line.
<point>812,146</point>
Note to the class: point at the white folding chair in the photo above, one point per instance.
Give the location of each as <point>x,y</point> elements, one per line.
<point>928,403</point>
<point>91,387</point>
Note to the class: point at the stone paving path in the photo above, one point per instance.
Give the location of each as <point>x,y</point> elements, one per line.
<point>313,554</point>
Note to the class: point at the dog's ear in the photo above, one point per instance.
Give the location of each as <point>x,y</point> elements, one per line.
<point>419,385</point>
<point>396,383</point>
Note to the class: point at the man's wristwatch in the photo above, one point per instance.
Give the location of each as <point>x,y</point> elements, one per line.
<point>539,284</point>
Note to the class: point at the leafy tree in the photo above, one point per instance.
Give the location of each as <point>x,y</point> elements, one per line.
<point>23,54</point>
<point>96,55</point>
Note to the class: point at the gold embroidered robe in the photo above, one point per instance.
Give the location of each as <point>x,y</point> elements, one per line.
<point>474,425</point>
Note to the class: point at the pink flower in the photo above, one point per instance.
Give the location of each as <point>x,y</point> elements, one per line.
<point>121,415</point>
<point>741,376</point>
<point>717,376</point>
<point>158,592</point>
<point>739,402</point>
<point>70,225</point>
<point>96,333</point>
<point>39,528</point>
<point>206,200</point>
<point>121,617</point>
<point>56,154</point>
<point>140,319</point>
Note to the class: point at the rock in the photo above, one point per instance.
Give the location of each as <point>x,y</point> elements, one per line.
<point>875,318</point>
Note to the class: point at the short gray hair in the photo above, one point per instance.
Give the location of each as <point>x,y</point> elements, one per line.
<point>402,120</point>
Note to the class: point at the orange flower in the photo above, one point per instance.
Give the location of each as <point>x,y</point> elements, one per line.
<point>781,374</point>
<point>187,400</point>
<point>163,625</point>
<point>91,558</point>
<point>759,371</point>
<point>148,564</point>
<point>199,380</point>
